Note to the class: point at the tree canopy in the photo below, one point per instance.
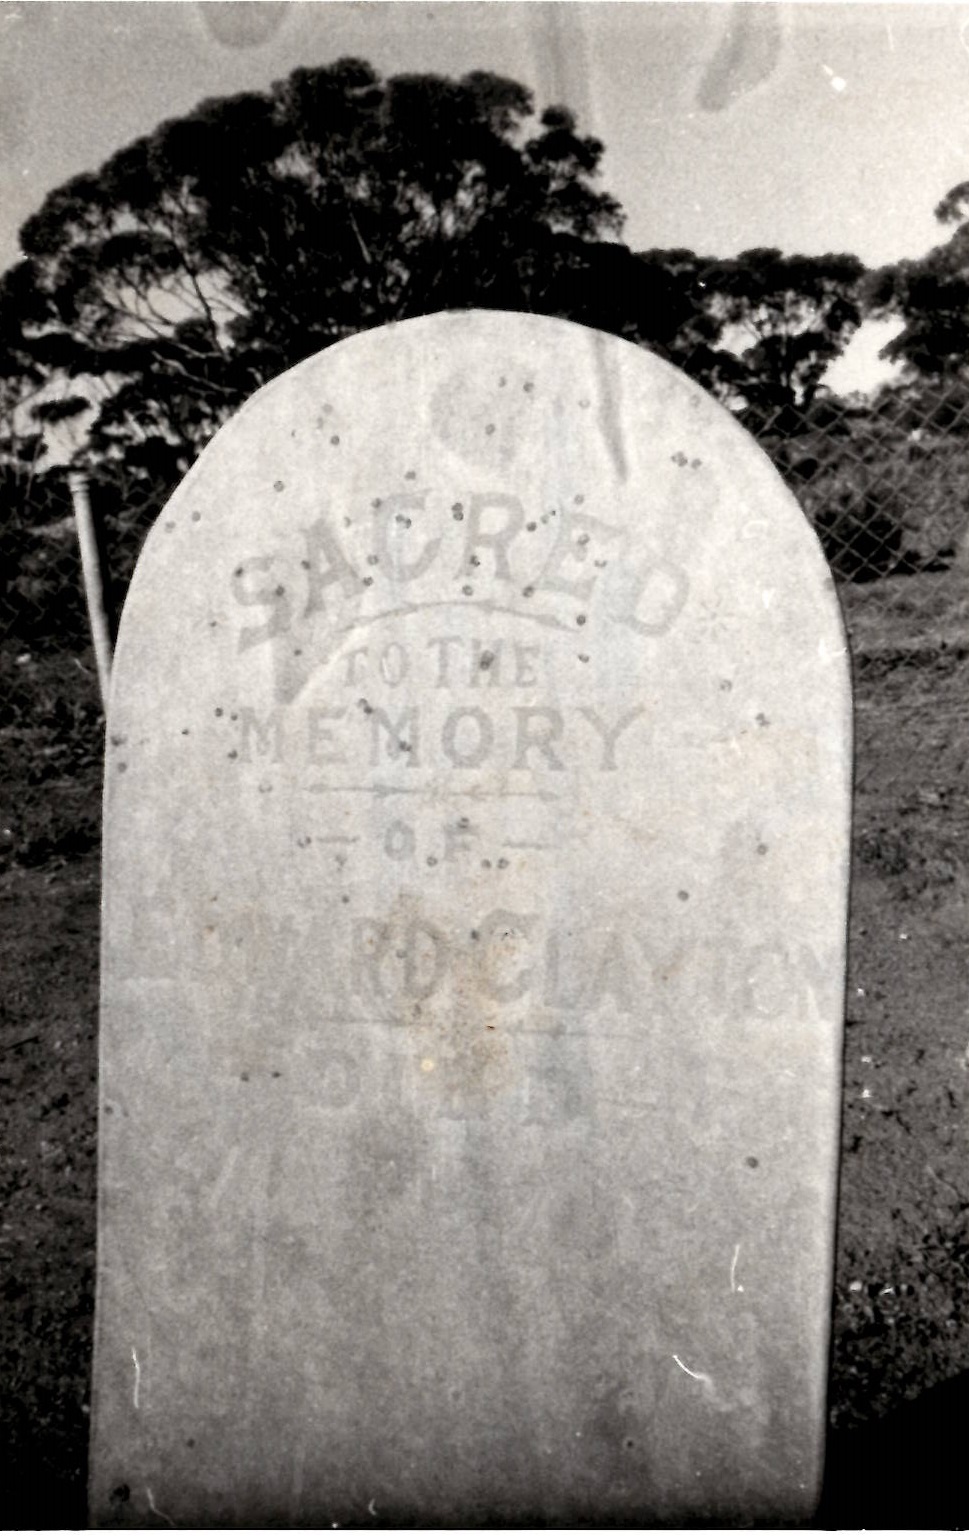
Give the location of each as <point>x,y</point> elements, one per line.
<point>227,245</point>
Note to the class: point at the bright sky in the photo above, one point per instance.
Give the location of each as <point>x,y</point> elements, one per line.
<point>813,127</point>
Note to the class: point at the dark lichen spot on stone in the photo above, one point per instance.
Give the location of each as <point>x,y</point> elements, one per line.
<point>629,1443</point>
<point>327,408</point>
<point>679,457</point>
<point>305,565</point>
<point>122,768</point>
<point>244,1077</point>
<point>196,517</point>
<point>584,404</point>
<point>297,651</point>
<point>583,657</point>
<point>762,848</point>
<point>335,440</point>
<point>377,501</point>
<point>600,563</point>
<point>531,527</point>
<point>502,382</point>
<point>368,581</point>
<point>345,899</point>
<point>410,475</point>
<point>431,859</point>
<point>761,719</point>
<point>120,1495</point>
<point>348,523</point>
<point>184,731</point>
<point>489,429</point>
<point>578,500</point>
<point>279,485</point>
<point>365,706</point>
<point>528,386</point>
<point>233,754</point>
<point>213,624</point>
<point>684,896</point>
<point>695,464</point>
<point>280,590</point>
<point>725,685</point>
<point>527,592</point>
<point>219,711</point>
<point>275,1073</point>
<point>502,864</point>
<point>580,618</point>
<point>468,591</point>
<point>118,741</point>
<point>582,539</point>
<point>404,746</point>
<point>373,560</point>
<point>190,1442</point>
<point>752,1162</point>
<point>487,658</point>
<point>464,823</point>
<point>168,527</point>
<point>475,560</point>
<point>486,864</point>
<point>457,512</point>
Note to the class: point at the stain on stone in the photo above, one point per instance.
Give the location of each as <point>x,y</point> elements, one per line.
<point>583,656</point>
<point>410,474</point>
<point>761,719</point>
<point>487,659</point>
<point>335,440</point>
<point>684,896</point>
<point>169,526</point>
<point>468,591</point>
<point>122,767</point>
<point>752,1162</point>
<point>762,848</point>
<point>196,517</point>
<point>219,712</point>
<point>580,618</point>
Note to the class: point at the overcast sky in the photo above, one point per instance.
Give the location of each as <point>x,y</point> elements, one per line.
<point>814,127</point>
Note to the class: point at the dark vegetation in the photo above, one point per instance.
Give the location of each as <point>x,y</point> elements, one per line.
<point>154,296</point>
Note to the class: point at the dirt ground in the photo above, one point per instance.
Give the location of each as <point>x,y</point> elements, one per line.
<point>899,1383</point>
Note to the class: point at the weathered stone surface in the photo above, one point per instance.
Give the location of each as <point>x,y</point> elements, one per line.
<point>475,881</point>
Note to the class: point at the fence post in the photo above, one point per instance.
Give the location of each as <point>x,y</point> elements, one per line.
<point>93,585</point>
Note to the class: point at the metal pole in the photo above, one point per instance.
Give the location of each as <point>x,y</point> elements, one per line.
<point>93,586</point>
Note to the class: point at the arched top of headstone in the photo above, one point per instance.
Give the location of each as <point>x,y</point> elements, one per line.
<point>469,457</point>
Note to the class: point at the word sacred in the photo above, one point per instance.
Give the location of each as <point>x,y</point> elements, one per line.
<point>494,543</point>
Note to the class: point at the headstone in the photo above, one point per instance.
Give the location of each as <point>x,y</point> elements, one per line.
<point>475,883</point>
